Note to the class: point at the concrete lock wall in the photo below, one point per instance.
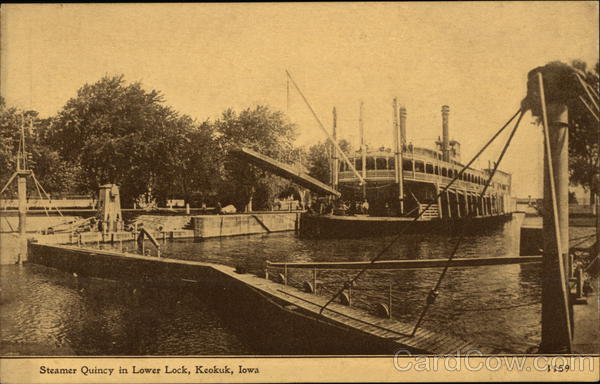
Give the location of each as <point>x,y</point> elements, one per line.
<point>232,225</point>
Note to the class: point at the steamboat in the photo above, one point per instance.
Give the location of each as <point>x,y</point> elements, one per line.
<point>384,190</point>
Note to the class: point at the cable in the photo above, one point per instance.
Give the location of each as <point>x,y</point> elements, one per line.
<point>46,193</point>
<point>41,197</point>
<point>433,293</point>
<point>391,243</point>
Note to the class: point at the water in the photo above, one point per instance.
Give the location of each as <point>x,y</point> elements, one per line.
<point>497,306</point>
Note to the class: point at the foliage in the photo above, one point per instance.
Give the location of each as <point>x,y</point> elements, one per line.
<point>584,137</point>
<point>318,159</point>
<point>119,133</point>
<point>262,130</point>
<point>50,169</point>
<point>561,86</point>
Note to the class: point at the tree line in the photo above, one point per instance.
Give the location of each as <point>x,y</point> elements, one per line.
<point>118,132</point>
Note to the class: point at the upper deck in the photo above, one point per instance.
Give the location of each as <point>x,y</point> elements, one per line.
<point>422,165</point>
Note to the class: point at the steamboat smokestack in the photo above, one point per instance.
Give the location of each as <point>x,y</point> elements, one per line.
<point>445,133</point>
<point>402,126</point>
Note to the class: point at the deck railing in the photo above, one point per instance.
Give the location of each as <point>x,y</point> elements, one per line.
<point>375,292</point>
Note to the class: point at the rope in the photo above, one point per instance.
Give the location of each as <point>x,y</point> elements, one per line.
<point>398,236</point>
<point>432,295</point>
<point>41,197</point>
<point>46,193</point>
<point>9,225</point>
<point>8,182</point>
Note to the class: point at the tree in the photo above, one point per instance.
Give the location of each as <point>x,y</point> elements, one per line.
<point>199,167</point>
<point>584,136</point>
<point>120,133</point>
<point>318,159</point>
<point>53,173</point>
<point>10,123</point>
<point>561,86</point>
<point>264,131</point>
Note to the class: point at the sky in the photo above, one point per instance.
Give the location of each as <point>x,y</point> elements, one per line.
<point>205,58</point>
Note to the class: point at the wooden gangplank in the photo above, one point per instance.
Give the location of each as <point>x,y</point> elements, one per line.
<point>284,170</point>
<point>412,264</point>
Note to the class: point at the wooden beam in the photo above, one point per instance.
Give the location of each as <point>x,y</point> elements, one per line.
<point>414,264</point>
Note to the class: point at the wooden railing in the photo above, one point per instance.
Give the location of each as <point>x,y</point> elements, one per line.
<point>312,277</point>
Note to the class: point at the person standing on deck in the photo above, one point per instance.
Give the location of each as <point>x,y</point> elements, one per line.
<point>365,207</point>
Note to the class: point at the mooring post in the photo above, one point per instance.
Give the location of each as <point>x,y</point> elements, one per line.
<point>22,193</point>
<point>556,314</point>
<point>285,274</point>
<point>315,280</point>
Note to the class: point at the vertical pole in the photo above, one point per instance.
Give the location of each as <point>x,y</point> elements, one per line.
<point>363,149</point>
<point>556,322</point>
<point>396,140</point>
<point>439,200</point>
<point>335,162</point>
<point>400,160</point>
<point>285,274</point>
<point>315,280</point>
<point>448,204</point>
<point>22,193</point>
<point>412,154</point>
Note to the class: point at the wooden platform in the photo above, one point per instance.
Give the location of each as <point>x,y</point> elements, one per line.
<point>286,301</point>
<point>425,340</point>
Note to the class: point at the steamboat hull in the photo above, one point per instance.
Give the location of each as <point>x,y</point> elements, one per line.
<point>313,226</point>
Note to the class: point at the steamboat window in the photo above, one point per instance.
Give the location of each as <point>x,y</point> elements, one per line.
<point>358,165</point>
<point>428,168</point>
<point>391,163</point>
<point>343,166</point>
<point>407,165</point>
<point>370,163</point>
<point>444,172</point>
<point>450,173</point>
<point>380,163</point>
<point>419,166</point>
<point>436,170</point>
